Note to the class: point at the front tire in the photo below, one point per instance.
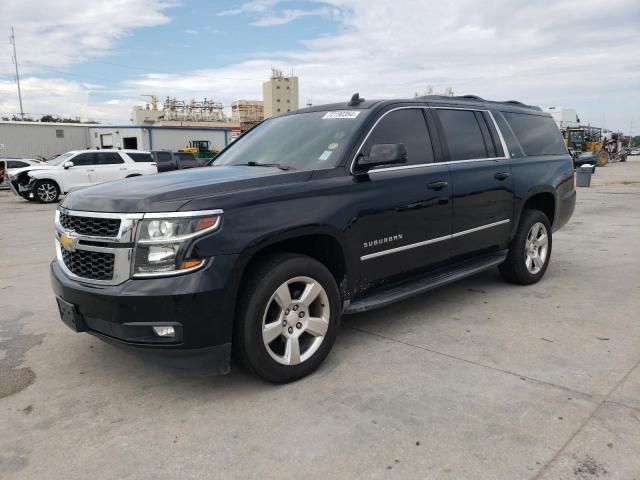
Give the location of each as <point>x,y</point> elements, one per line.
<point>602,158</point>
<point>530,250</point>
<point>46,191</point>
<point>289,315</point>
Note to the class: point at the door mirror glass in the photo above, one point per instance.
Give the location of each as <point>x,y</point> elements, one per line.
<point>67,165</point>
<point>382,154</point>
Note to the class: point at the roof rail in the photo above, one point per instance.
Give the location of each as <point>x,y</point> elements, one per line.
<point>479,99</point>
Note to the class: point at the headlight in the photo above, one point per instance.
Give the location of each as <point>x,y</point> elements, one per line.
<point>162,240</point>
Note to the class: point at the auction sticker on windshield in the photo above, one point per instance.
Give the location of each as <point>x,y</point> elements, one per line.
<point>348,114</point>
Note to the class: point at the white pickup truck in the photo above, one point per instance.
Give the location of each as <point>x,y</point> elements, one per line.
<point>45,182</point>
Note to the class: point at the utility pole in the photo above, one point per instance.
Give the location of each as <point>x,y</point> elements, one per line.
<point>12,40</point>
<point>630,133</point>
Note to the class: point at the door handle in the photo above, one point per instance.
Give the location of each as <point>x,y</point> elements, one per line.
<point>502,175</point>
<point>123,168</point>
<point>91,169</point>
<point>437,185</point>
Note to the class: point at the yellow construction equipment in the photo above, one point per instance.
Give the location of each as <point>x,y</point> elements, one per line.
<point>604,146</point>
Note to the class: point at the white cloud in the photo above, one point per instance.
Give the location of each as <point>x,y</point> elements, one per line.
<point>255,6</point>
<point>64,98</point>
<point>575,53</point>
<point>190,31</point>
<point>287,16</point>
<point>56,33</point>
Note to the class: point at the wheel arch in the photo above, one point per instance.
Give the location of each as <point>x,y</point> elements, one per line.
<point>543,199</point>
<point>323,243</point>
<point>50,179</point>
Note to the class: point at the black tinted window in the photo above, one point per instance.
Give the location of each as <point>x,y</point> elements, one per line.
<point>141,157</point>
<point>463,135</point>
<point>14,164</point>
<point>84,159</point>
<point>538,135</point>
<point>163,156</point>
<point>404,126</point>
<point>108,158</point>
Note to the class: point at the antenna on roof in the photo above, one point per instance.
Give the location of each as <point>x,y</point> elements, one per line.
<point>356,100</point>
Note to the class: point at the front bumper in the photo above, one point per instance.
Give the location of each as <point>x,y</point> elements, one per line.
<point>24,190</point>
<point>198,305</point>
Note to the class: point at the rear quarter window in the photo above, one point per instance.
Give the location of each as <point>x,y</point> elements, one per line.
<point>537,134</point>
<point>141,157</point>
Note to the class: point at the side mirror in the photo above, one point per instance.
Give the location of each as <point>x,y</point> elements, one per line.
<point>382,154</point>
<point>67,165</point>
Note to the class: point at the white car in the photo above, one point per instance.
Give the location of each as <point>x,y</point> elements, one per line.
<point>8,167</point>
<point>45,182</point>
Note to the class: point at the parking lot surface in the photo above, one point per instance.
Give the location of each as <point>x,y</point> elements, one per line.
<point>479,379</point>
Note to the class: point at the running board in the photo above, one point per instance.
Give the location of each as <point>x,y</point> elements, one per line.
<point>423,283</point>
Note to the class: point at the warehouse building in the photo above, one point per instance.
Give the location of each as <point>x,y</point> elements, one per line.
<point>155,137</point>
<point>36,139</point>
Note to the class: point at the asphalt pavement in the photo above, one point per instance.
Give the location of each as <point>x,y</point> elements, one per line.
<point>476,380</point>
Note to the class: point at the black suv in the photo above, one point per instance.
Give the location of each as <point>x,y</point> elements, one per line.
<point>310,215</point>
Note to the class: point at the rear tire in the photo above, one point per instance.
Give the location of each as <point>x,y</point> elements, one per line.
<point>46,191</point>
<point>530,250</point>
<point>289,315</point>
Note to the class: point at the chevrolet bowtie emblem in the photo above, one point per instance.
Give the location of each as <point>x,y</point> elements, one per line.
<point>68,241</point>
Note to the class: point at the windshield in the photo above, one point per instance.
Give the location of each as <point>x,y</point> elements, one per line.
<point>58,160</point>
<point>576,136</point>
<point>304,141</point>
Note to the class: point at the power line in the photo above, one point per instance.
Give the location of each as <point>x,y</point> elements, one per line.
<point>12,40</point>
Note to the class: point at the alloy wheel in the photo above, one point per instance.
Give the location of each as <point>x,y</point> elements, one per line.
<point>296,320</point>
<point>47,192</point>
<point>536,248</point>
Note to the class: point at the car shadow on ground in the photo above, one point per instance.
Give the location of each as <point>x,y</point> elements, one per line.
<point>132,371</point>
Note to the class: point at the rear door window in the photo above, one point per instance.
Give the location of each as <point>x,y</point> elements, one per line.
<point>463,134</point>
<point>108,158</point>
<point>405,126</point>
<point>537,134</point>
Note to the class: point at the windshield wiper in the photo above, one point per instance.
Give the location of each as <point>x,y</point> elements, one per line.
<point>258,164</point>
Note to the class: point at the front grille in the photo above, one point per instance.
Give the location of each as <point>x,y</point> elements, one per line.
<point>95,227</point>
<point>91,265</point>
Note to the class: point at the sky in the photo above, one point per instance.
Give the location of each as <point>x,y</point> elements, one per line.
<point>97,59</point>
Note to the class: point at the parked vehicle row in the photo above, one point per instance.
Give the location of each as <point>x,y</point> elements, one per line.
<point>310,215</point>
<point>168,160</point>
<point>45,182</point>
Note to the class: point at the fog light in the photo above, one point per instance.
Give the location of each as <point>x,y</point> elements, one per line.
<point>164,331</point>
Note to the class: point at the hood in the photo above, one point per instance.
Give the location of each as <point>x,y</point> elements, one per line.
<point>16,171</point>
<point>167,192</point>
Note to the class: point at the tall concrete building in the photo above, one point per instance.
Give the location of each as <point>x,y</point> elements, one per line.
<point>280,94</point>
